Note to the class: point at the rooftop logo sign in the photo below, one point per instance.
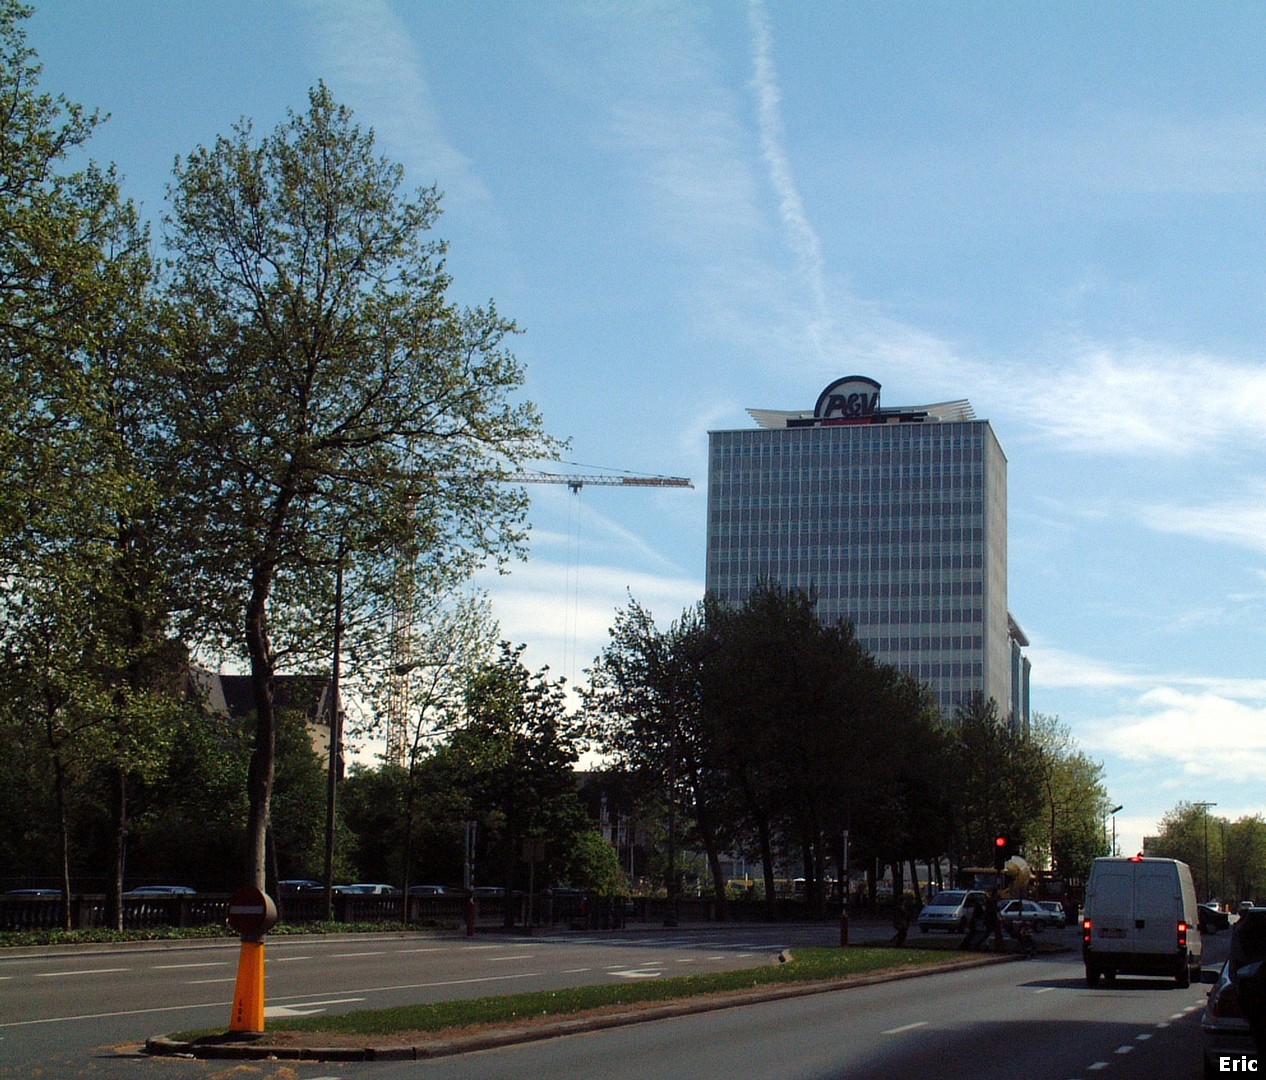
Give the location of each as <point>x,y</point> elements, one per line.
<point>850,400</point>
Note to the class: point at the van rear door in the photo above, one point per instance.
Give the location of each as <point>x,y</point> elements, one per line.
<point>1157,907</point>
<point>1113,929</point>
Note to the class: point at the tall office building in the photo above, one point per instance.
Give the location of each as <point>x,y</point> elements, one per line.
<point>894,518</point>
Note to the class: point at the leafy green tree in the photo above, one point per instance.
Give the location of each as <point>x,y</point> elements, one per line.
<point>512,758</point>
<point>1068,833</point>
<point>332,406</point>
<point>1191,834</point>
<point>644,706</point>
<point>999,777</point>
<point>595,867</point>
<point>1243,843</point>
<point>87,586</point>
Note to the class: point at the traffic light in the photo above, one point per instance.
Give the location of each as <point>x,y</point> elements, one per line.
<point>1001,851</point>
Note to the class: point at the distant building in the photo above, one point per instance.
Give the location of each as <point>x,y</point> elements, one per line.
<point>231,695</point>
<point>893,518</point>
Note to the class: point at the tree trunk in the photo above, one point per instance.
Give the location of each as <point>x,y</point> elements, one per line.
<point>259,779</point>
<point>708,835</point>
<point>914,878</point>
<point>63,828</point>
<point>118,847</point>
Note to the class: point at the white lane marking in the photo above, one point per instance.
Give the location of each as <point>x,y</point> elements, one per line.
<point>574,971</point>
<point>84,971</point>
<point>208,982</point>
<point>637,973</point>
<point>1123,1050</point>
<point>1044,990</point>
<point>284,959</point>
<point>1143,1037</point>
<point>349,955</point>
<point>307,1008</point>
<point>905,1027</point>
<point>525,956</point>
<point>1097,1066</point>
<point>181,967</point>
<point>218,1004</point>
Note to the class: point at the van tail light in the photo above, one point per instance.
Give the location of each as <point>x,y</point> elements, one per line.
<point>1182,935</point>
<point>1085,931</point>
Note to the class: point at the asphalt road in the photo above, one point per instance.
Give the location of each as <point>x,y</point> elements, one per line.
<point>81,1016</point>
<point>57,1004</point>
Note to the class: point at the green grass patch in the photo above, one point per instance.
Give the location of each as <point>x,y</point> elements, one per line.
<point>806,965</point>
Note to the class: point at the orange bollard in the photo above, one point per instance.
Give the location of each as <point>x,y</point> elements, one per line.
<point>248,998</point>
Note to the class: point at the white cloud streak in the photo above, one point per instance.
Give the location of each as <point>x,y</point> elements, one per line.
<point>378,69</point>
<point>802,238</point>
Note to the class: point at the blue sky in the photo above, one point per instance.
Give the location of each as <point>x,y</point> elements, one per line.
<point>690,208</point>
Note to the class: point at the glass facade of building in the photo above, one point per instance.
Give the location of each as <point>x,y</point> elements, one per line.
<point>897,523</point>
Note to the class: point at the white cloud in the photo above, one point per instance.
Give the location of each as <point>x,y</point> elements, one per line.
<point>376,66</point>
<point>1203,735</point>
<point>801,237</point>
<point>1241,522</point>
<point>564,612</point>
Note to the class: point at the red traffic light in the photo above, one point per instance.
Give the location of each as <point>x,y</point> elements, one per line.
<point>1000,841</point>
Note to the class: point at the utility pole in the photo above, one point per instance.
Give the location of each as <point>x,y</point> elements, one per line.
<point>1208,891</point>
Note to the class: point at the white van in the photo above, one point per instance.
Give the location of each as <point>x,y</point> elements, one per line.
<point>1141,919</point>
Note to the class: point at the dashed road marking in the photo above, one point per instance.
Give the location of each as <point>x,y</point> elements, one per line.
<point>905,1028</point>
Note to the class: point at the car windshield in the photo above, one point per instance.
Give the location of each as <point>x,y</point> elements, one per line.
<point>948,899</point>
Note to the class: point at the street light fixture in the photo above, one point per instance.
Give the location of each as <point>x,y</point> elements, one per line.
<point>1114,811</point>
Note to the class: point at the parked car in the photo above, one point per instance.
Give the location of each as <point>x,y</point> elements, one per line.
<point>161,890</point>
<point>366,889</point>
<point>32,892</point>
<point>949,910</point>
<point>1223,1029</point>
<point>427,890</point>
<point>297,885</point>
<point>1245,905</point>
<point>1029,912</point>
<point>1059,917</point>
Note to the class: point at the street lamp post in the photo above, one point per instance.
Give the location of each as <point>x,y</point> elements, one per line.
<point>1114,811</point>
<point>1208,894</point>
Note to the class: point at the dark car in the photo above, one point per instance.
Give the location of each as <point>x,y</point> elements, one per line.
<point>1212,918</point>
<point>1223,1028</point>
<point>297,885</point>
<point>427,890</point>
<point>161,890</point>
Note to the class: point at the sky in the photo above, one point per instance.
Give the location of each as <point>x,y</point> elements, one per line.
<point>1054,211</point>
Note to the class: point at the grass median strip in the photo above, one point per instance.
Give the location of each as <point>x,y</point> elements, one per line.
<point>807,965</point>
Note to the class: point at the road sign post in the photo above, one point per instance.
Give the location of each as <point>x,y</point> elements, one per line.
<point>252,914</point>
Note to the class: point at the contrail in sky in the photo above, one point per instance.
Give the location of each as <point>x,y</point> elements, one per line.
<point>801,237</point>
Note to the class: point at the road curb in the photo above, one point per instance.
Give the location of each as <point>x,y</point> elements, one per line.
<point>256,1047</point>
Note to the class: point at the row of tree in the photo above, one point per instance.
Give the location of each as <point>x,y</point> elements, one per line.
<point>253,442</point>
<point>759,729</point>
<point>1227,858</point>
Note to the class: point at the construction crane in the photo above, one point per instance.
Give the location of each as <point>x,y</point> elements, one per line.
<point>579,480</point>
<point>401,631</point>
